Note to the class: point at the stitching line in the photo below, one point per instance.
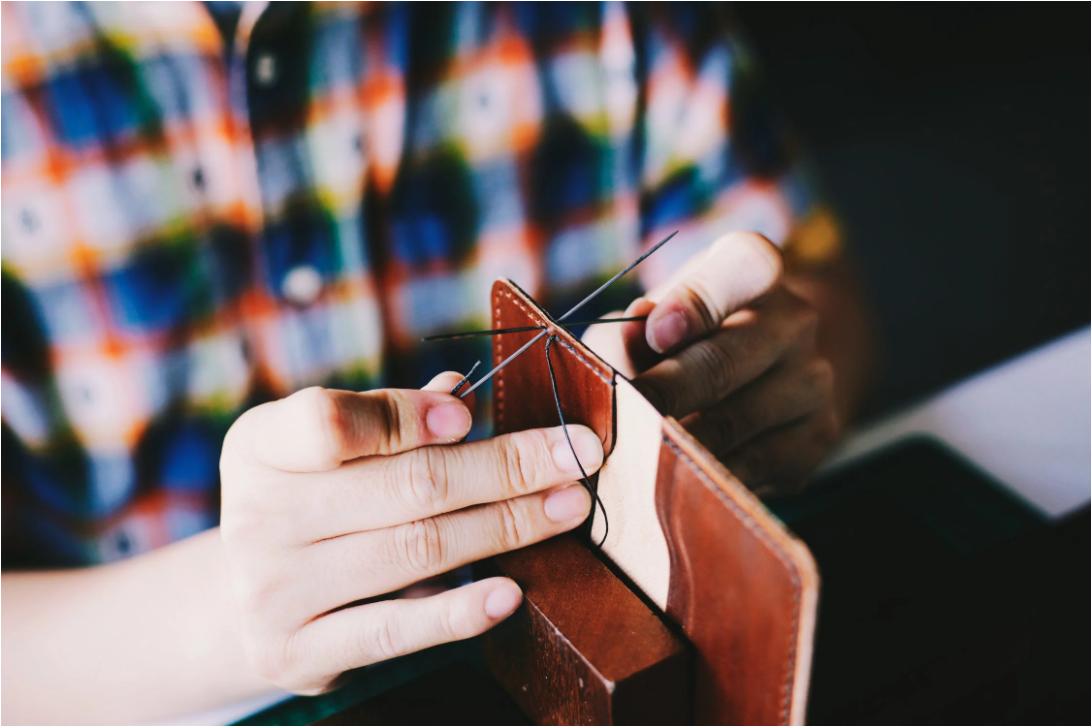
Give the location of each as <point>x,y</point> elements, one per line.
<point>777,551</point>
<point>500,354</point>
<point>589,364</point>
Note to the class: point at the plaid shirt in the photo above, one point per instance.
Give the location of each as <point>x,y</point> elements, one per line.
<point>194,224</point>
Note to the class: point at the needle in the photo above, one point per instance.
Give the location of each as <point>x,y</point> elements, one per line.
<point>578,305</point>
<point>524,329</point>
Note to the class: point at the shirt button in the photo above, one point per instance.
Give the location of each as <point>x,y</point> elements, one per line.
<point>30,221</point>
<point>302,285</point>
<point>265,70</point>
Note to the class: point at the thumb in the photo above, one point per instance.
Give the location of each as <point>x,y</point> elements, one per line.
<point>736,271</point>
<point>445,383</point>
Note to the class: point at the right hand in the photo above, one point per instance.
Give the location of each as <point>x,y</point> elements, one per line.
<point>332,497</point>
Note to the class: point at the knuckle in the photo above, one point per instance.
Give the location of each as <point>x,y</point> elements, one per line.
<point>716,368</point>
<point>428,481</point>
<point>517,465</point>
<point>515,471</point>
<point>319,406</point>
<point>514,529</point>
<point>390,420</point>
<point>389,642</point>
<point>701,301</point>
<point>420,546</point>
<point>455,625</point>
<point>237,449</point>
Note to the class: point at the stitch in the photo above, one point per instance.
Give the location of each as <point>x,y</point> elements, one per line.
<point>543,328</point>
<point>552,377</point>
<point>777,551</point>
<point>609,380</point>
<point>594,369</point>
<point>499,378</point>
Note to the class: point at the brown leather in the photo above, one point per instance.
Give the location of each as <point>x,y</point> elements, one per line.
<point>585,649</point>
<point>585,382</point>
<point>742,588</point>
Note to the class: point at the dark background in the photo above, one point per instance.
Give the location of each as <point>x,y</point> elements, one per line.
<point>955,143</point>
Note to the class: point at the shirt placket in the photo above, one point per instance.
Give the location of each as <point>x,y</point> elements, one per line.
<point>242,72</point>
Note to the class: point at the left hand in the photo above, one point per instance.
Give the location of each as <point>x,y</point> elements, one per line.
<point>731,352</point>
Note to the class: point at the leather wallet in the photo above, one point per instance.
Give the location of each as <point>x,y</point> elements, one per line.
<point>697,543</point>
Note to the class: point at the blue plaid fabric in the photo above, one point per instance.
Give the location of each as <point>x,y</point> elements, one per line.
<point>194,224</point>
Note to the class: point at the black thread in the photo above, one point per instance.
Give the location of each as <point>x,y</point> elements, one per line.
<point>617,277</point>
<point>592,490</point>
<point>455,390</point>
<point>524,329</point>
<point>477,333</point>
<point>567,315</point>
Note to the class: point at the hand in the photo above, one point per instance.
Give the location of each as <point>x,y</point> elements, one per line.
<point>332,497</point>
<point>732,354</point>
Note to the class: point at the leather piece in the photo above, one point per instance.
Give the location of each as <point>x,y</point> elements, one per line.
<point>584,381</point>
<point>743,589</point>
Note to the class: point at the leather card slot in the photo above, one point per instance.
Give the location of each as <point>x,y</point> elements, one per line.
<point>742,587</point>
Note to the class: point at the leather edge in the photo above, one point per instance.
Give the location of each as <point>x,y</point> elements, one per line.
<point>538,316</point>
<point>505,285</point>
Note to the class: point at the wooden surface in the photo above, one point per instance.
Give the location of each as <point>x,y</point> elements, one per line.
<point>583,649</point>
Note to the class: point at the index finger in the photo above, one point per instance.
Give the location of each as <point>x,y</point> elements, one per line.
<point>737,270</point>
<point>383,492</point>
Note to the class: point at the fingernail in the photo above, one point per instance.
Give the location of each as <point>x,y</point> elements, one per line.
<point>667,332</point>
<point>588,448</point>
<point>448,420</point>
<point>502,601</point>
<point>571,503</point>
